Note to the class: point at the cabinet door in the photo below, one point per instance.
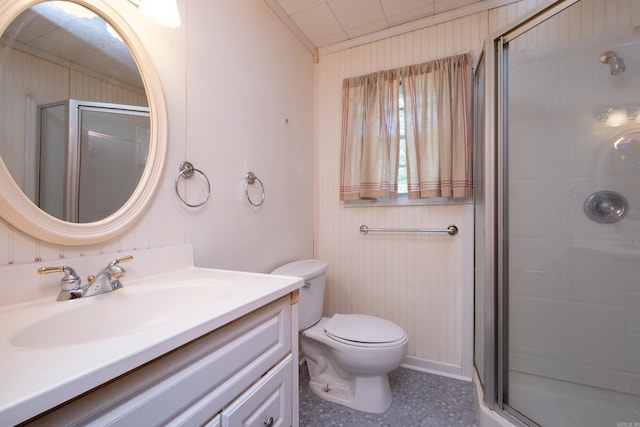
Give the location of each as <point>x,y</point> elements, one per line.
<point>266,403</point>
<point>215,422</point>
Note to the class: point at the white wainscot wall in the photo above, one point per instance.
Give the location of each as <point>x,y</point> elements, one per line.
<point>422,282</point>
<point>238,87</point>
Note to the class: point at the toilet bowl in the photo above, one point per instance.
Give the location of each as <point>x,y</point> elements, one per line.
<point>343,369</point>
<point>348,355</point>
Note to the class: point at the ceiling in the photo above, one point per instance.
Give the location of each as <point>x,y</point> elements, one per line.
<point>74,37</point>
<point>327,22</point>
<point>47,31</point>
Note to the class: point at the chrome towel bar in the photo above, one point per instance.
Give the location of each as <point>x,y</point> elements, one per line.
<point>451,230</point>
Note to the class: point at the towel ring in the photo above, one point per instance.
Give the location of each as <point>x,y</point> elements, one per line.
<point>251,178</point>
<point>187,171</point>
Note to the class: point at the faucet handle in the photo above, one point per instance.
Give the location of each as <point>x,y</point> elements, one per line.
<point>115,269</point>
<point>69,281</point>
<point>123,259</point>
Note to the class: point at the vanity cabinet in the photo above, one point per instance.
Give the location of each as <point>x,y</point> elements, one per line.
<point>240,374</point>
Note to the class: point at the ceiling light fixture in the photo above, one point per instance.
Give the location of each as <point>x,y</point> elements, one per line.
<point>163,12</point>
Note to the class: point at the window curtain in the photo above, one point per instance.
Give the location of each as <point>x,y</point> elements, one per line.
<point>437,102</point>
<point>437,99</point>
<point>370,136</point>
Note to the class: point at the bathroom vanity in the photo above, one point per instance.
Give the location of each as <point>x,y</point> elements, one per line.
<point>176,345</point>
<point>185,346</point>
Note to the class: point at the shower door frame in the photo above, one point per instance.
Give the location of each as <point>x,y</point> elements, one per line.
<point>494,158</point>
<point>73,123</point>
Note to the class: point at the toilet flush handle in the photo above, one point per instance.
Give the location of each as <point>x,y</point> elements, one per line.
<point>306,284</point>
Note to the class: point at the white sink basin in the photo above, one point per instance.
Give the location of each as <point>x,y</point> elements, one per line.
<point>114,314</point>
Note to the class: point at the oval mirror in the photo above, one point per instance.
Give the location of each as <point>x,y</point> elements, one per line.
<point>82,121</point>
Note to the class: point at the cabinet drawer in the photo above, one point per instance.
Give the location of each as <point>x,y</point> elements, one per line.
<point>266,403</point>
<point>191,384</point>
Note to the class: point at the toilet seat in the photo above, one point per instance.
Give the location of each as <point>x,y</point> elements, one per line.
<point>363,330</point>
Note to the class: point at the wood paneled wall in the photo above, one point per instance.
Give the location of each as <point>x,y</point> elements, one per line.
<point>422,282</point>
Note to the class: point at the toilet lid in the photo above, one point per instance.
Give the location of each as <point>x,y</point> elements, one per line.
<point>363,328</point>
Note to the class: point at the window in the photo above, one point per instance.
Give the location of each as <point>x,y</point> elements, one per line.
<point>402,152</point>
<point>406,131</point>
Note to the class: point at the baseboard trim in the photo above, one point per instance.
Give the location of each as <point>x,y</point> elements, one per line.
<point>422,365</point>
<point>437,368</point>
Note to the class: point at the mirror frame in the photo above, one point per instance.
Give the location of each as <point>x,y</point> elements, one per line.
<point>23,214</point>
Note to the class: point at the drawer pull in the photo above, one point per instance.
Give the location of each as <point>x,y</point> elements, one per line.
<point>268,422</point>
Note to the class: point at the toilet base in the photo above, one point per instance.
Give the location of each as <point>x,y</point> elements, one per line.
<point>363,393</point>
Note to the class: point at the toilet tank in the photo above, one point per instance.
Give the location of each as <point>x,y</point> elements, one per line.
<point>311,302</point>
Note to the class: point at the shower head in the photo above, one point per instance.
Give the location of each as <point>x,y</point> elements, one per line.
<point>616,64</point>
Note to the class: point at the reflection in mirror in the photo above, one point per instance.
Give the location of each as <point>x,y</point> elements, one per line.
<point>51,55</point>
<point>92,156</point>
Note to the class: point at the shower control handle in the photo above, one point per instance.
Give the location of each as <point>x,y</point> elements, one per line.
<point>605,207</point>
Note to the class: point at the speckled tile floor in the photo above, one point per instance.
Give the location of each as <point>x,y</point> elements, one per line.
<point>419,400</point>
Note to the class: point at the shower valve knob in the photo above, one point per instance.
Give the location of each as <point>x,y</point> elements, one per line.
<point>605,207</point>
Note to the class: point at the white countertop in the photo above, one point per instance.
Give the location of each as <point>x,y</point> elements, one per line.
<point>36,378</point>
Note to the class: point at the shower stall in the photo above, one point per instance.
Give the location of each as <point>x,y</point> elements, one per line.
<point>557,200</point>
<point>91,157</point>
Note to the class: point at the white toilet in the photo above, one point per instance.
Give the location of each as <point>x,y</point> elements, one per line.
<point>348,355</point>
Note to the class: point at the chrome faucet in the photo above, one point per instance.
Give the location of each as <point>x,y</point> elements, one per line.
<point>107,280</point>
<point>69,284</point>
